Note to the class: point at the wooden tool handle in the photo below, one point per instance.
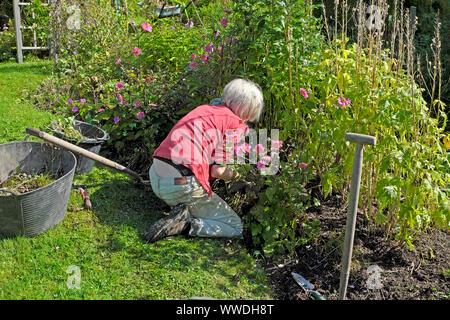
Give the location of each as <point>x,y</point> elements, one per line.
<point>83,152</point>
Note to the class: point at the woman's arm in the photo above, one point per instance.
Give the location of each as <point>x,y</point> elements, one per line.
<point>223,172</point>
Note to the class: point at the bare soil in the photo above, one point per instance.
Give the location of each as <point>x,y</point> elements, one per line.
<point>381,269</point>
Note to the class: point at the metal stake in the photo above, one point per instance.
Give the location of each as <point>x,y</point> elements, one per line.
<point>360,140</point>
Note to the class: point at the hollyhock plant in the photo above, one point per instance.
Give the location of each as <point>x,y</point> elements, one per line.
<point>304,93</point>
<point>302,165</point>
<point>140,115</point>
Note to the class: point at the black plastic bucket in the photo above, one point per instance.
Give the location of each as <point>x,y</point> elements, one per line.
<point>34,212</point>
<point>96,137</point>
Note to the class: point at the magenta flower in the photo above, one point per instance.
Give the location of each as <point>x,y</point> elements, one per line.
<point>138,104</point>
<point>261,165</point>
<point>146,27</point>
<point>235,137</point>
<point>208,48</point>
<point>343,102</point>
<point>189,25</point>
<point>70,101</point>
<point>224,22</point>
<point>193,56</point>
<point>193,65</point>
<point>140,115</point>
<point>58,99</point>
<point>121,99</point>
<point>100,110</point>
<point>302,165</point>
<point>219,48</point>
<point>120,85</point>
<point>246,147</point>
<point>116,119</point>
<point>259,148</point>
<point>136,51</point>
<point>152,104</point>
<point>74,109</point>
<point>304,93</point>
<point>227,11</point>
<point>83,100</point>
<point>204,57</point>
<point>147,79</point>
<point>118,61</point>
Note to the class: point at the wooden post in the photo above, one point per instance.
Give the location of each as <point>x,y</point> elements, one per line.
<point>17,26</point>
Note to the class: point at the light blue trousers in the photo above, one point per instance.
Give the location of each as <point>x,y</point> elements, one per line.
<point>210,216</point>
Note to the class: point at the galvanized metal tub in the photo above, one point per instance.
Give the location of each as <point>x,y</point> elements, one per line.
<point>32,213</point>
<point>96,137</point>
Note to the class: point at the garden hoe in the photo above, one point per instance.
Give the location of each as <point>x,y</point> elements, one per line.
<point>360,140</point>
<point>85,153</point>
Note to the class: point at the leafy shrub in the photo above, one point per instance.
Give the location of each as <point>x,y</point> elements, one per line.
<point>7,41</point>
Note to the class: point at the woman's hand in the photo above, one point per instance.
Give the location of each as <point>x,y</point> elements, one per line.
<point>223,172</point>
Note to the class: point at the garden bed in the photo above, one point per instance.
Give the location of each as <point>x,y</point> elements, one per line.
<point>405,275</point>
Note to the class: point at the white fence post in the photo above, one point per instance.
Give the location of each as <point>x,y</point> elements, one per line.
<point>17,26</point>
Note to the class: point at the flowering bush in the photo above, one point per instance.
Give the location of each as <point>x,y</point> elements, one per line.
<point>7,42</point>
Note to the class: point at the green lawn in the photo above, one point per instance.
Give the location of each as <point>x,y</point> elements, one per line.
<point>105,244</point>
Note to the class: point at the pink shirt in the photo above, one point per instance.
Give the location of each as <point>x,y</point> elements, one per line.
<point>198,140</point>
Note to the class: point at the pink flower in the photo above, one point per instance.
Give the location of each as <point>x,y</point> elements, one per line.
<point>116,119</point>
<point>208,48</point>
<point>82,100</point>
<point>261,165</point>
<point>140,115</point>
<point>100,110</point>
<point>147,79</point>
<point>136,51</point>
<point>118,61</point>
<point>259,148</point>
<point>58,99</point>
<point>74,109</point>
<point>277,144</point>
<point>146,27</point>
<point>224,22</point>
<point>121,99</point>
<point>304,93</point>
<point>302,165</point>
<point>120,85</point>
<point>204,57</point>
<point>193,65</point>
<point>219,48</point>
<point>238,150</point>
<point>138,104</point>
<point>189,25</point>
<point>343,102</point>
<point>216,33</point>
<point>152,105</point>
<point>235,137</point>
<point>246,147</point>
<point>193,56</point>
<point>70,101</point>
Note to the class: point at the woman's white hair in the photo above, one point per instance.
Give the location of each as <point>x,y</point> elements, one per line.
<point>244,98</point>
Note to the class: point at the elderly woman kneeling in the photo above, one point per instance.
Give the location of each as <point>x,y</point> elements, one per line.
<point>192,155</point>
